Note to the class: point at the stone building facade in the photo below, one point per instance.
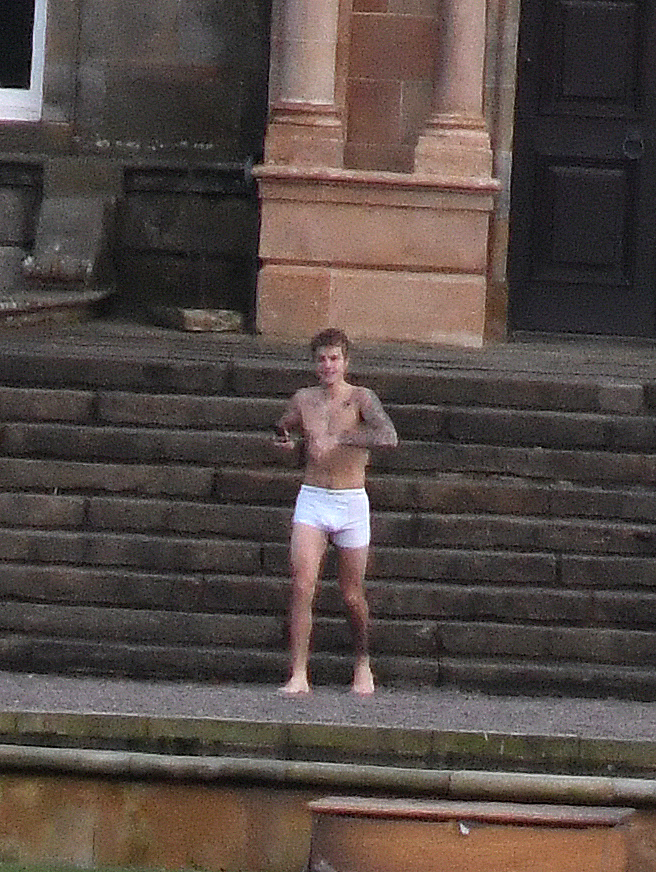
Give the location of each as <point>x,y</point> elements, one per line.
<point>381,136</point>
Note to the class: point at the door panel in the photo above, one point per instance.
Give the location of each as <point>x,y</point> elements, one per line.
<point>583,216</point>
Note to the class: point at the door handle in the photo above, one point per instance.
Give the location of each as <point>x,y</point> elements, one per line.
<point>633,146</point>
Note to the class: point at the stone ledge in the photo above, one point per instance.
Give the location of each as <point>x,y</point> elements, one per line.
<point>373,178</point>
<point>50,305</point>
<point>487,812</point>
<point>427,752</point>
<point>449,784</point>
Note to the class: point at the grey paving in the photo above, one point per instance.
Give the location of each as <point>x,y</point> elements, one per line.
<point>614,358</point>
<point>438,710</point>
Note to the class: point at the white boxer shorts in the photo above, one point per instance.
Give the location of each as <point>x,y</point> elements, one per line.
<point>343,514</point>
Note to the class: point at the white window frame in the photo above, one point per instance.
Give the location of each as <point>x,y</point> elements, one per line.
<point>23,104</point>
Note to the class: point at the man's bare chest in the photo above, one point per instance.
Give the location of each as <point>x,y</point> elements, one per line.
<point>330,416</point>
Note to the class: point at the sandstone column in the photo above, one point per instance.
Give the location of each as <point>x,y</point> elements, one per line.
<point>305,125</point>
<point>455,141</point>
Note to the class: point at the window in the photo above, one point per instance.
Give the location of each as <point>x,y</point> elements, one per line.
<point>22,45</point>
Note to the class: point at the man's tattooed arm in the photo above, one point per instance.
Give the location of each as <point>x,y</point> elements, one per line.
<point>376,429</point>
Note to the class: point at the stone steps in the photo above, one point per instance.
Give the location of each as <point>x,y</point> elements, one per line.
<point>144,520</point>
<point>505,676</point>
<point>64,441</point>
<point>161,366</point>
<point>451,492</point>
<point>266,523</point>
<point>491,674</point>
<point>422,638</point>
<point>267,595</point>
<point>45,539</point>
<point>419,639</point>
<point>61,476</point>
<point>444,424</point>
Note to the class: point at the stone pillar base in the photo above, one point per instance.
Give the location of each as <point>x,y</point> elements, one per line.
<point>304,134</point>
<point>454,145</point>
<point>377,305</point>
<point>384,255</point>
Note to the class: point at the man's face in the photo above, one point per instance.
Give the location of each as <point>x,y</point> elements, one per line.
<point>330,364</point>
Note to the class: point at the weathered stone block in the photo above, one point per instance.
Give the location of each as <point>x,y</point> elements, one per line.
<point>171,554</point>
<point>183,481</point>
<point>381,232</point>
<point>199,320</point>
<point>35,546</point>
<point>608,571</point>
<point>72,240</point>
<point>221,413</point>
<point>32,404</point>
<point>41,510</point>
<point>256,486</point>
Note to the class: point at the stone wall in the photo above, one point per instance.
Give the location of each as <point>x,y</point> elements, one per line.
<point>165,81</point>
<point>228,826</point>
<point>157,90</point>
<point>394,46</point>
<point>94,823</point>
<point>159,79</point>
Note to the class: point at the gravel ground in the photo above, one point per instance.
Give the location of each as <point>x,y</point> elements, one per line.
<point>446,709</point>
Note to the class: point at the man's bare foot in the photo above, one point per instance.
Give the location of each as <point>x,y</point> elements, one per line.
<point>363,679</point>
<point>295,687</point>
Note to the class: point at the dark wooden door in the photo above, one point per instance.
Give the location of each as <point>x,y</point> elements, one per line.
<point>583,194</point>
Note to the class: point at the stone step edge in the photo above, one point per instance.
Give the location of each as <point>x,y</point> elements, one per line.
<point>328,581</point>
<point>377,488</point>
<point>270,751</point>
<point>44,620</point>
<point>23,308</point>
<point>503,813</point>
<point>271,406</point>
<point>608,394</point>
<point>496,675</point>
<point>641,529</point>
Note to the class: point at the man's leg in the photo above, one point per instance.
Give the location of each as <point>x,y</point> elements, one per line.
<point>307,548</point>
<point>352,566</point>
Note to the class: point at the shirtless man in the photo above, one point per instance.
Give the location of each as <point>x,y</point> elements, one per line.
<point>339,423</point>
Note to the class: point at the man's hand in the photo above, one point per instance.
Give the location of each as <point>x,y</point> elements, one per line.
<point>283,440</point>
